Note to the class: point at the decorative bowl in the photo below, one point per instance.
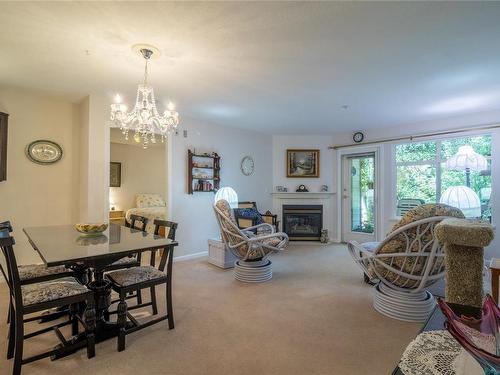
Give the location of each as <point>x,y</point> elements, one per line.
<point>91,229</point>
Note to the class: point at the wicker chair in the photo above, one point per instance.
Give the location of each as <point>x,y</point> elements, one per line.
<point>405,263</point>
<point>252,249</point>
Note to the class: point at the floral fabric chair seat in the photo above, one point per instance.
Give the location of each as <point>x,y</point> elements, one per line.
<point>51,290</point>
<point>32,271</point>
<point>135,275</point>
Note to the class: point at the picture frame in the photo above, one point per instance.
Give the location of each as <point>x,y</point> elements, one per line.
<point>302,163</point>
<point>3,145</point>
<point>115,174</point>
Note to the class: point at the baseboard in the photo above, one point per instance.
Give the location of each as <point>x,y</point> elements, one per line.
<point>191,256</point>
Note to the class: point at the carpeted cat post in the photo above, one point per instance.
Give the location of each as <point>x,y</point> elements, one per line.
<point>464,241</point>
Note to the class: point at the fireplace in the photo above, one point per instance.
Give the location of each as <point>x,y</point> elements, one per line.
<point>303,222</point>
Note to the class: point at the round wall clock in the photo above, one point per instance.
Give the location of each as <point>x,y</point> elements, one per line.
<point>358,137</point>
<point>44,152</point>
<point>247,165</point>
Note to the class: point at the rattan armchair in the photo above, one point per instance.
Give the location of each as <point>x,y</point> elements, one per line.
<point>252,249</point>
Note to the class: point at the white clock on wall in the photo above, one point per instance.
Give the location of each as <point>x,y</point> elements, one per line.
<point>247,165</point>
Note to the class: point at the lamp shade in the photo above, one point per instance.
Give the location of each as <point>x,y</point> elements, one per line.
<point>465,158</point>
<point>229,195</point>
<point>463,198</point>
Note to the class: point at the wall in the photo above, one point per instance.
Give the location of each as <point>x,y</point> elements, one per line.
<point>143,171</point>
<point>194,213</point>
<point>39,194</point>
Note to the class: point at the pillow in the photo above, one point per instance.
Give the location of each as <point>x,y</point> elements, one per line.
<point>149,200</point>
<point>250,214</point>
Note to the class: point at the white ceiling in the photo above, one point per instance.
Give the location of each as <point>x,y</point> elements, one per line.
<point>274,67</point>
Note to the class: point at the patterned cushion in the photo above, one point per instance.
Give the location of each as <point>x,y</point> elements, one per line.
<point>51,290</point>
<point>125,261</point>
<point>135,275</point>
<point>149,200</point>
<point>273,241</point>
<point>412,265</point>
<point>31,271</point>
<point>250,214</point>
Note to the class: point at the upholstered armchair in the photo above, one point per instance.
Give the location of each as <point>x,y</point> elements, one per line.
<point>406,262</point>
<point>252,249</point>
<point>247,215</point>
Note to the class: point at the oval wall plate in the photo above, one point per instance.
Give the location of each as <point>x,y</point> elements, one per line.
<point>44,152</point>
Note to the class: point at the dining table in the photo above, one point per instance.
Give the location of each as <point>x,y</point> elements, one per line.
<point>89,256</point>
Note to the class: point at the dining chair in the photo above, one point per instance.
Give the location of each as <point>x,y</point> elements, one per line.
<point>35,273</point>
<point>36,297</point>
<point>136,279</point>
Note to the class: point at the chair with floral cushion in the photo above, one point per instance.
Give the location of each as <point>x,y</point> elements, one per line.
<point>252,249</point>
<point>247,215</point>
<point>406,263</point>
<point>36,297</point>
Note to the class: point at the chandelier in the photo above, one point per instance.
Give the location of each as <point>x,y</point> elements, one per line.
<point>144,119</point>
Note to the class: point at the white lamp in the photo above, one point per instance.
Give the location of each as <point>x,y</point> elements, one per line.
<point>464,198</point>
<point>229,195</point>
<point>466,159</point>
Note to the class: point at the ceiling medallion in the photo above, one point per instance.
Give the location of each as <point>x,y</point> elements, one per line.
<point>144,119</point>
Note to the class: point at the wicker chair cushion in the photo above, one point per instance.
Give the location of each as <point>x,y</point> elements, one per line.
<point>412,265</point>
<point>31,271</point>
<point>51,290</point>
<point>135,275</point>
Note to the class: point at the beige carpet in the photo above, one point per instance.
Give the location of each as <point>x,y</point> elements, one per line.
<point>314,317</point>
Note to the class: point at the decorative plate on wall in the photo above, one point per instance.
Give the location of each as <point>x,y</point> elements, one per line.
<point>44,152</point>
<point>247,165</point>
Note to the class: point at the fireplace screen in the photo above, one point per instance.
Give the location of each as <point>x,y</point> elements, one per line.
<point>303,222</point>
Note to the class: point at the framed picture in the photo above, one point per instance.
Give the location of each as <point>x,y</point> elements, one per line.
<point>3,146</point>
<point>302,163</point>
<point>115,174</point>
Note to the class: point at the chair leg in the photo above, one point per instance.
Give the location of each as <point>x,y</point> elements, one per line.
<point>122,321</point>
<point>153,300</point>
<point>19,338</point>
<point>12,333</point>
<point>170,311</point>
<point>90,327</point>
<point>8,313</point>
<point>73,311</point>
<point>139,297</point>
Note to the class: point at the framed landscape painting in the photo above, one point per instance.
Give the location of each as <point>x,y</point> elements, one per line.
<point>115,174</point>
<point>302,163</point>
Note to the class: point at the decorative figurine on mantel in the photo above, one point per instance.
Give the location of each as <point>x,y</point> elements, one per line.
<point>324,188</point>
<point>301,189</point>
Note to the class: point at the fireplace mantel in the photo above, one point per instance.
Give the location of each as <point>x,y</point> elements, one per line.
<point>298,195</point>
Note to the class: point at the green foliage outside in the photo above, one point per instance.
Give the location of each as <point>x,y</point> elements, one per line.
<point>418,180</point>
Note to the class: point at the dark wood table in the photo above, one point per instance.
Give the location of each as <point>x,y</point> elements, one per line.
<point>64,245</point>
<point>436,321</point>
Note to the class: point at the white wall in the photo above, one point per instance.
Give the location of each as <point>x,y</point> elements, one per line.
<point>143,171</point>
<point>194,213</point>
<point>39,194</point>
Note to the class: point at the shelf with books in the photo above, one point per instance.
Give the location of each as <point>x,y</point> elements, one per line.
<point>203,172</point>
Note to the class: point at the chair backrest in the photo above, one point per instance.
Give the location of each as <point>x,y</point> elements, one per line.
<point>247,205</point>
<point>137,219</point>
<point>232,236</point>
<point>170,225</point>
<point>8,264</point>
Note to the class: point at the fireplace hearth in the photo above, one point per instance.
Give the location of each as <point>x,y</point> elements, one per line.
<point>303,222</point>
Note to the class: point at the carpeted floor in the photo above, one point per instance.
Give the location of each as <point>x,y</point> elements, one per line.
<point>314,317</point>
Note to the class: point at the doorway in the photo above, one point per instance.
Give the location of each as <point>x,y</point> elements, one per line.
<point>359,197</point>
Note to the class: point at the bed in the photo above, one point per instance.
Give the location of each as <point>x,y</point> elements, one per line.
<point>151,206</point>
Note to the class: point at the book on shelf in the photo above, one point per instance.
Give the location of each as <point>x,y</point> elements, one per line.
<point>203,185</point>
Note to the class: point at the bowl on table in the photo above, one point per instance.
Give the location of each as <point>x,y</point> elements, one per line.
<point>91,229</point>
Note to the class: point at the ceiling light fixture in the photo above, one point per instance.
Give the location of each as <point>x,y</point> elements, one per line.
<point>144,119</point>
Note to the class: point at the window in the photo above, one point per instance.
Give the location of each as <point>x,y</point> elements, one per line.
<point>421,171</point>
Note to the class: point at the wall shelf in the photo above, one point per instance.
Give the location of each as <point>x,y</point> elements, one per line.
<point>208,183</point>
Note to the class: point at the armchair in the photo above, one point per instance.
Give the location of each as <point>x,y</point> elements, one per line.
<point>250,248</point>
<point>247,215</point>
<point>405,263</point>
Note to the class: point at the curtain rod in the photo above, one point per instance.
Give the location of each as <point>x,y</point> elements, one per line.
<point>413,137</point>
